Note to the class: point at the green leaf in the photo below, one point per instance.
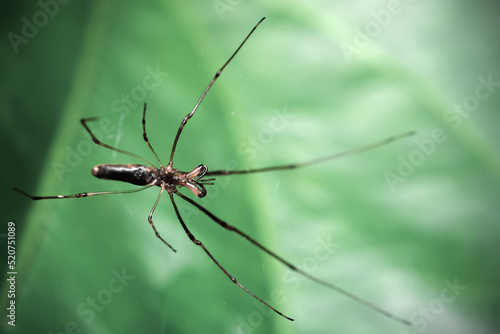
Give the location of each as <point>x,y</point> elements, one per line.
<point>398,226</point>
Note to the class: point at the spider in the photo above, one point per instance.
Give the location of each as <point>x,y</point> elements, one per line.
<point>171,180</point>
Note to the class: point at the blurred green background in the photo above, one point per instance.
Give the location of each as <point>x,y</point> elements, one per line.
<point>341,74</point>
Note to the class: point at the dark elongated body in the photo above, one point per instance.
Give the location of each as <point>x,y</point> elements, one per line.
<point>133,173</point>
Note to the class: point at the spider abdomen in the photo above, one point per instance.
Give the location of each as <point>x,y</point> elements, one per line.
<point>133,173</point>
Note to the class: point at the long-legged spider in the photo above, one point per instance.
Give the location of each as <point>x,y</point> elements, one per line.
<point>170,180</point>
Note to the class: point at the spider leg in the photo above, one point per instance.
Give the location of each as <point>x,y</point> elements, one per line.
<point>316,161</point>
<point>188,116</point>
<point>150,220</point>
<point>290,265</point>
<point>199,243</point>
<point>80,195</point>
<point>100,143</point>
<point>144,135</point>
